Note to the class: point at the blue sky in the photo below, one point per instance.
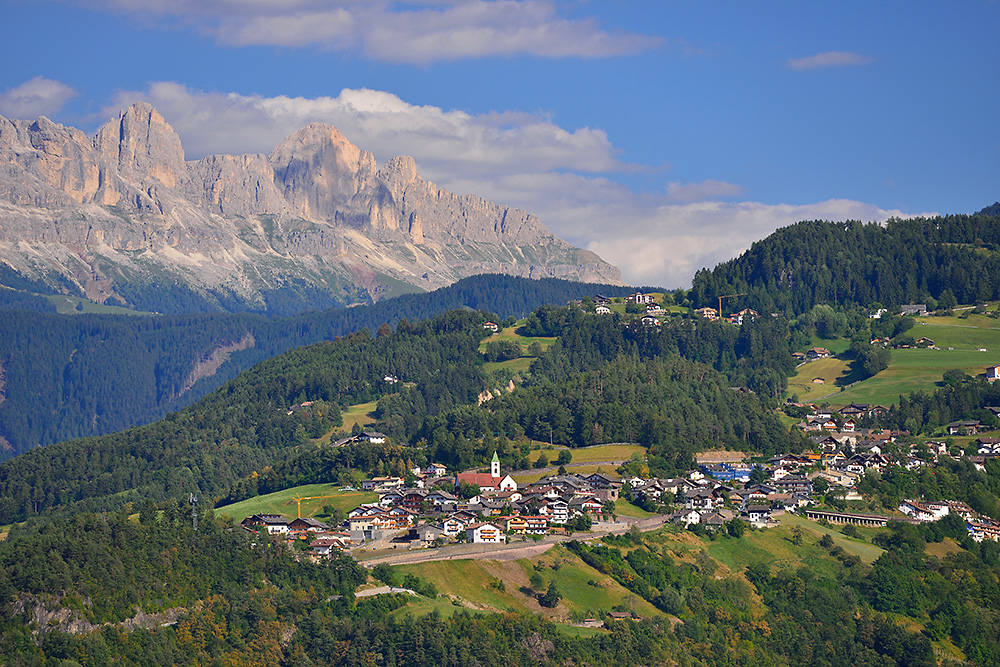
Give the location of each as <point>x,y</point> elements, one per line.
<point>665,136</point>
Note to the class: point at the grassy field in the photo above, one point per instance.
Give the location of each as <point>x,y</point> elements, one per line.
<point>510,333</point>
<point>773,546</point>
<point>522,364</point>
<point>282,502</point>
<point>837,345</point>
<point>913,370</point>
<point>74,305</point>
<point>470,581</point>
<point>593,454</point>
<point>910,370</point>
<point>829,369</point>
<point>624,508</point>
<point>358,414</point>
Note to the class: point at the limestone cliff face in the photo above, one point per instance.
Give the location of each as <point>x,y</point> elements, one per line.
<point>125,207</point>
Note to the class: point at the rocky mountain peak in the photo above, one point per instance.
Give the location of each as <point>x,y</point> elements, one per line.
<point>319,171</point>
<point>315,213</point>
<point>141,146</point>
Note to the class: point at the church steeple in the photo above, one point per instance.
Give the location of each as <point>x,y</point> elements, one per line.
<point>495,466</point>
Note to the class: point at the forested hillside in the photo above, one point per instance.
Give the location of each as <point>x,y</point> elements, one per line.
<point>243,439</point>
<point>65,377</point>
<point>222,596</point>
<point>246,425</point>
<point>946,259</point>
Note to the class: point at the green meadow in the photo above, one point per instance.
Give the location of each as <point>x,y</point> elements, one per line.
<point>283,502</point>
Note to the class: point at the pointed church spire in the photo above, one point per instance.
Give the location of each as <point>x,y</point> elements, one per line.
<point>495,465</point>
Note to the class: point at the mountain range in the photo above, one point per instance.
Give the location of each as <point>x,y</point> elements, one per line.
<point>122,218</point>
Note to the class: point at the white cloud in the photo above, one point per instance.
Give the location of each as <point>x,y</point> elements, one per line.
<point>517,159</point>
<point>400,32</point>
<point>35,97</point>
<point>443,142</point>
<point>829,59</point>
<point>653,239</point>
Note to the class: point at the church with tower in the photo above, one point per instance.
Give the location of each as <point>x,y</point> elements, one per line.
<point>493,482</point>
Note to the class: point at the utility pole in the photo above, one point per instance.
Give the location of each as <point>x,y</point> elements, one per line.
<point>193,501</point>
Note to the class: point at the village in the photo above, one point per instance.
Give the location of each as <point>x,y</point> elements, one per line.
<point>490,507</point>
<point>438,508</point>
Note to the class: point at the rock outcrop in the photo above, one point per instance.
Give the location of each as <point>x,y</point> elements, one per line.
<point>123,209</point>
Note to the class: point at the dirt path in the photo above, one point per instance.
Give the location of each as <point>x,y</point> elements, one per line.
<point>513,551</point>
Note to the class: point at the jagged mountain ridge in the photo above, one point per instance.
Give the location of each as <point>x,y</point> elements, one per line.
<point>122,209</point>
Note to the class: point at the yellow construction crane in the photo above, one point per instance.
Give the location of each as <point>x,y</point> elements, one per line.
<point>298,502</point>
<point>727,296</point>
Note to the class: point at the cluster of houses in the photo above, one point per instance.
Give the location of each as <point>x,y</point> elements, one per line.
<point>980,527</point>
<point>501,507</point>
<point>713,315</point>
<point>428,513</point>
<point>325,539</point>
<point>602,305</point>
<point>717,493</point>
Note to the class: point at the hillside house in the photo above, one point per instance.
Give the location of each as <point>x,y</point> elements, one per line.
<point>601,309</point>
<point>744,315</point>
<point>485,533</point>
<point>639,298</point>
<point>918,309</point>
<point>758,513</point>
<point>491,326</point>
<point>424,534</point>
<point>983,530</point>
<point>303,525</point>
<point>275,523</point>
<point>556,511</point>
<point>923,511</point>
<point>686,517</point>
<point>993,373</point>
<point>855,410</point>
<point>817,353</point>
<point>968,427</point>
<point>792,484</point>
<point>707,313</point>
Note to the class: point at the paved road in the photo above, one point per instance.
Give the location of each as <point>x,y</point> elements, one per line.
<point>512,551</point>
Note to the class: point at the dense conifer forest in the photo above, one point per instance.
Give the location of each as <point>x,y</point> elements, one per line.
<point>943,259</point>
<point>69,376</point>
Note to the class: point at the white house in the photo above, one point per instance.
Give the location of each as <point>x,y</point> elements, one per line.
<point>484,533</point>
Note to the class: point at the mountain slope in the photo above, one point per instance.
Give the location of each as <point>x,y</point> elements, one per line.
<point>71,376</point>
<point>122,216</point>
